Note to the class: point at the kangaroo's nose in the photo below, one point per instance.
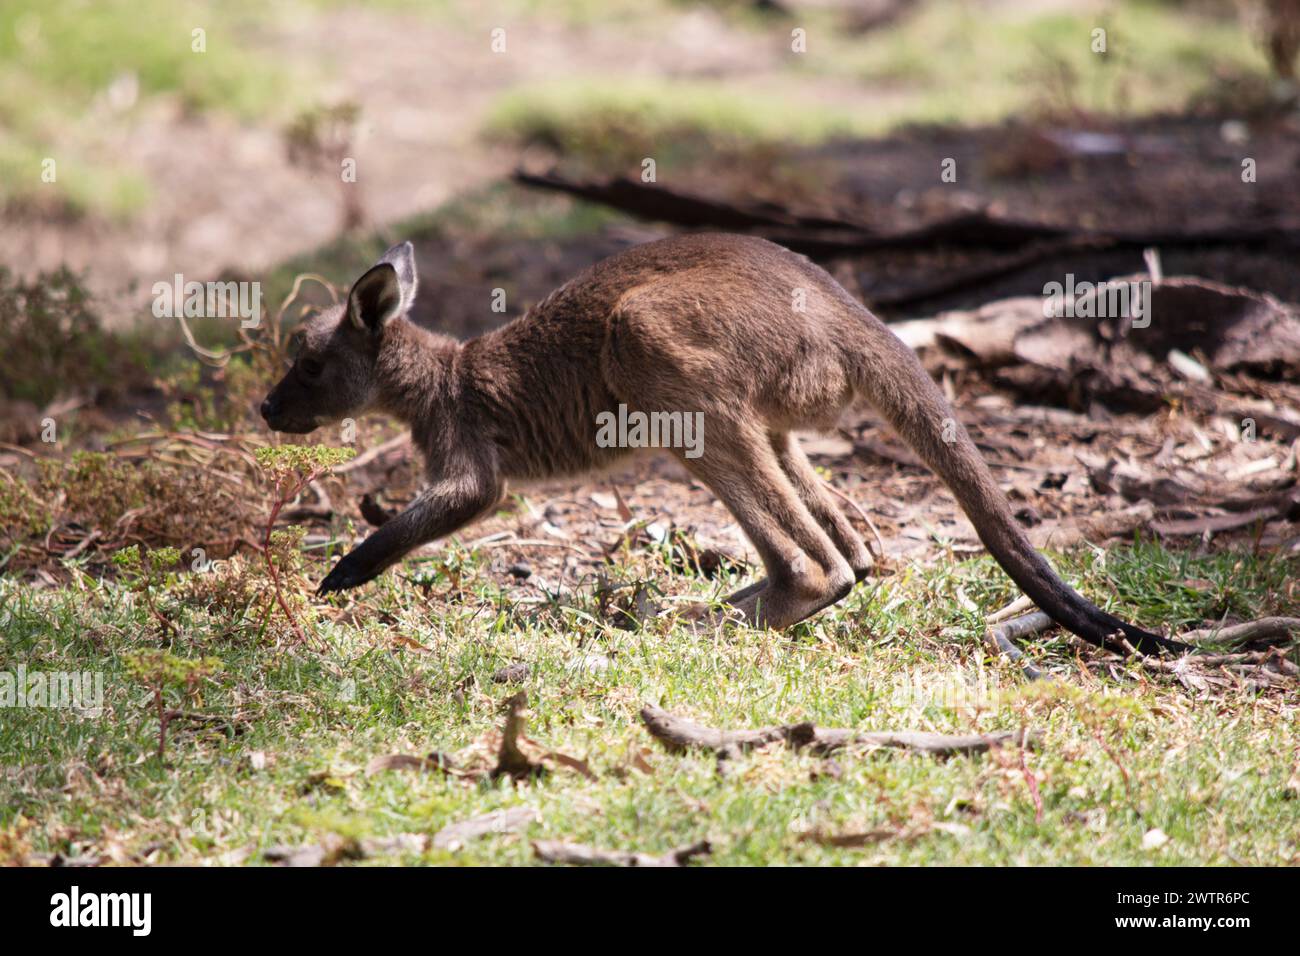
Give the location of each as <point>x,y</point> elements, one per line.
<point>268,408</point>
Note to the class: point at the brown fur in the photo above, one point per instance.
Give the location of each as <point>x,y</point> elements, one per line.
<point>697,323</point>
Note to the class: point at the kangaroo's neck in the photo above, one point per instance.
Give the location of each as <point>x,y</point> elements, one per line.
<point>416,373</point>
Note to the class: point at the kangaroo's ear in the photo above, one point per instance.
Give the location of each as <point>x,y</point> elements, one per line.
<point>375,299</point>
<point>386,291</point>
<point>402,258</point>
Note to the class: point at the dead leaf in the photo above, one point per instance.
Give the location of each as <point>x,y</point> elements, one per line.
<point>455,835</point>
<point>640,762</point>
<point>573,763</point>
<point>332,849</point>
<point>515,673</point>
<point>434,761</point>
<point>324,780</point>
<point>510,759</point>
<point>399,638</point>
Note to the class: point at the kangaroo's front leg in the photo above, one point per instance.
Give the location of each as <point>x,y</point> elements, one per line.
<point>440,510</point>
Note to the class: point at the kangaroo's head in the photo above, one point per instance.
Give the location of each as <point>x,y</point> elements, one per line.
<point>333,373</point>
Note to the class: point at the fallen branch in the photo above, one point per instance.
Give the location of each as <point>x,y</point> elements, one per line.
<point>689,209</point>
<point>828,237</point>
<point>576,854</point>
<point>679,734</point>
<point>878,552</point>
<point>1003,634</point>
<point>1016,608</point>
<point>1265,629</point>
<point>1213,524</point>
<point>1255,660</point>
<point>1251,664</point>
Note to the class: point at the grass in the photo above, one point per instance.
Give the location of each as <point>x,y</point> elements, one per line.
<point>58,61</point>
<point>60,58</point>
<point>953,61</point>
<point>635,118</point>
<point>999,61</point>
<point>1119,757</point>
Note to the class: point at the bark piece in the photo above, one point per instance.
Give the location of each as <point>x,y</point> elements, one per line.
<point>332,849</point>
<point>510,759</point>
<point>577,854</point>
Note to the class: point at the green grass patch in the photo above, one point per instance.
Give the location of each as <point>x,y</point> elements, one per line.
<point>277,752</point>
<point>66,69</point>
<point>623,121</point>
<point>958,61</point>
<point>78,48</point>
<point>952,61</point>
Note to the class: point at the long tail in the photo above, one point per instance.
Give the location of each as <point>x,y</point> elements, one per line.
<point>892,379</point>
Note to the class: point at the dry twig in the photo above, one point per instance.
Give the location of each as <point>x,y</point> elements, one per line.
<point>680,734</point>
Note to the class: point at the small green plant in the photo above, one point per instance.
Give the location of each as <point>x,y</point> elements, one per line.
<point>454,563</point>
<point>159,670</point>
<point>291,468</point>
<point>23,515</point>
<point>147,575</point>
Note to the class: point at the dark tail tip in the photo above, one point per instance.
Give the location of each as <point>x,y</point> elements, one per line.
<point>1077,614</point>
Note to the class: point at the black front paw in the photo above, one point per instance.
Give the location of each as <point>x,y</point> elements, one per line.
<point>348,573</point>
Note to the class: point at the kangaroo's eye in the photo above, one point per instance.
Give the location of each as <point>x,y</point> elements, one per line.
<point>310,367</point>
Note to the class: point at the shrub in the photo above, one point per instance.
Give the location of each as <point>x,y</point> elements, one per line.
<point>49,334</point>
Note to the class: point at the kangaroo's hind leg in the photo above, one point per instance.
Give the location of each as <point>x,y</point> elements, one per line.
<point>821,504</point>
<point>805,570</point>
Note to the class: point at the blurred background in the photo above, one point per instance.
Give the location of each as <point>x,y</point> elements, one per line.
<point>211,139</point>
